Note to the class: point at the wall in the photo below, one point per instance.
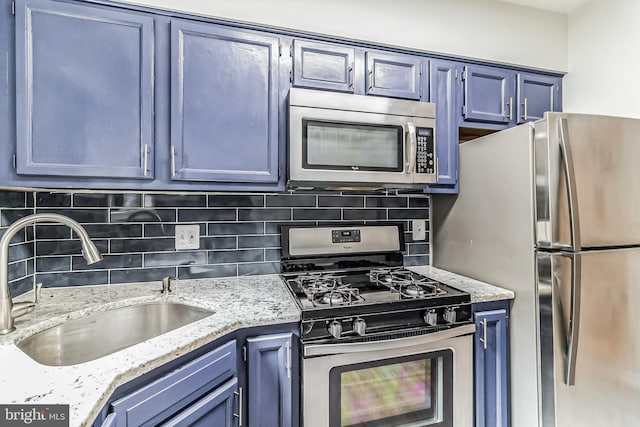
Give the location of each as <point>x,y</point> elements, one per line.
<point>484,29</point>
<point>604,64</point>
<point>239,232</point>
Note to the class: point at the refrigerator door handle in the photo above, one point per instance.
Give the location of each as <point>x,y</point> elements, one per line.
<point>574,320</point>
<point>570,179</point>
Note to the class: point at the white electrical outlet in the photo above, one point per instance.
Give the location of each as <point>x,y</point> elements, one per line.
<point>187,237</point>
<point>419,229</point>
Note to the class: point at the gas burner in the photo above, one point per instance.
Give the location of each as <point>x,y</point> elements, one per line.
<point>327,289</point>
<point>405,283</point>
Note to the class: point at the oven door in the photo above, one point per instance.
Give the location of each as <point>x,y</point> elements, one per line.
<point>335,146</point>
<point>424,380</point>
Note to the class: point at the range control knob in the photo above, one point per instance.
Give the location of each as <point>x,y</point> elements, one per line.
<point>360,327</point>
<point>431,317</point>
<point>450,314</point>
<point>335,329</point>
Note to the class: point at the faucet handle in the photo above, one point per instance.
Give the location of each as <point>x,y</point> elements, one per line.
<point>37,292</point>
<point>166,285</point>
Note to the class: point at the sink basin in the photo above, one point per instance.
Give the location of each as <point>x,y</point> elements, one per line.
<point>88,338</point>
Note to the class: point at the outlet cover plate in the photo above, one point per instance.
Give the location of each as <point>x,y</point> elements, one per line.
<point>418,227</point>
<point>187,237</point>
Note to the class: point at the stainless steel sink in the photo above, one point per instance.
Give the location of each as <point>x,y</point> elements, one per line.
<point>88,338</point>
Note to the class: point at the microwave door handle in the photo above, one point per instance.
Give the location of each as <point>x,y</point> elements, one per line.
<point>410,148</point>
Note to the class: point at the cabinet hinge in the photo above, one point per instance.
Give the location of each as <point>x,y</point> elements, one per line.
<point>279,49</point>
<point>420,69</point>
<point>464,110</point>
<point>463,74</point>
<point>13,8</point>
<point>244,353</point>
<point>291,50</point>
<point>290,76</point>
<point>15,161</point>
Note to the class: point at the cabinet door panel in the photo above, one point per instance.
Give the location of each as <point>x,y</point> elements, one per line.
<point>224,104</point>
<point>537,94</point>
<point>169,394</point>
<point>84,91</point>
<point>491,367</point>
<point>270,380</point>
<point>488,94</point>
<point>443,92</point>
<point>214,409</point>
<point>394,75</point>
<point>110,421</point>
<point>323,66</point>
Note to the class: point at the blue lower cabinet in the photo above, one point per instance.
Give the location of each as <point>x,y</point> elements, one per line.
<point>110,421</point>
<point>271,372</point>
<point>198,390</point>
<point>491,365</point>
<point>215,409</point>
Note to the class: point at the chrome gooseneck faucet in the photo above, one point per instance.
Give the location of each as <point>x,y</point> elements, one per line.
<point>7,310</point>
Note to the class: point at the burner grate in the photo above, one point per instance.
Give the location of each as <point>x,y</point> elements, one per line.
<point>327,289</point>
<point>407,284</point>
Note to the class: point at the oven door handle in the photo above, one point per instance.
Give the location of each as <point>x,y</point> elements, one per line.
<point>356,347</point>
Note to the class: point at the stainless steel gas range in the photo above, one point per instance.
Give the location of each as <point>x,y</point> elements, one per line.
<point>381,345</point>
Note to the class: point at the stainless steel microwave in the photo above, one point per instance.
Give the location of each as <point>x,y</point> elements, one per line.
<point>338,140</point>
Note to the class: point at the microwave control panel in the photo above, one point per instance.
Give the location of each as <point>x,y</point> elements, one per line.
<point>425,156</point>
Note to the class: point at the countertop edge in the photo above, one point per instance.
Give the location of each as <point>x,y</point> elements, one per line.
<point>237,302</point>
<point>480,291</point>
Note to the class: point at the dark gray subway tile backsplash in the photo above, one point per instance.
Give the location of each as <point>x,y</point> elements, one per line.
<point>239,233</point>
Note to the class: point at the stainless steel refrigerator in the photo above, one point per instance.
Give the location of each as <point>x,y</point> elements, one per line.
<point>551,210</point>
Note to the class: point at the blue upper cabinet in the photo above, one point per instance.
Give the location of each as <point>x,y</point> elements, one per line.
<point>394,75</point>
<point>84,91</point>
<point>323,66</point>
<point>537,94</point>
<point>224,104</point>
<point>444,77</point>
<point>488,95</point>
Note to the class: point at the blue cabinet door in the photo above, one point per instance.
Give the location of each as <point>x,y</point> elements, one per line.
<point>394,75</point>
<point>84,91</point>
<point>444,80</point>
<point>323,66</point>
<point>110,421</point>
<point>224,104</point>
<point>169,395</point>
<point>491,368</point>
<point>537,94</point>
<point>216,409</point>
<point>488,94</point>
<point>270,378</point>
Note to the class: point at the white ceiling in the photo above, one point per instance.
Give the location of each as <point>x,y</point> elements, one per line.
<point>563,6</point>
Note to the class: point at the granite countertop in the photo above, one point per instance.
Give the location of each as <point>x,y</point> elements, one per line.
<point>237,302</point>
<point>480,291</point>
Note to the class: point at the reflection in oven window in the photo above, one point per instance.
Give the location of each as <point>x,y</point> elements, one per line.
<point>397,392</point>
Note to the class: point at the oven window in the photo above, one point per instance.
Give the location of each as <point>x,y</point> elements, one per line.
<point>345,146</point>
<point>408,391</point>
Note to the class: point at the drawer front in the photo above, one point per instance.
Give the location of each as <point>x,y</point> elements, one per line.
<point>169,394</point>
